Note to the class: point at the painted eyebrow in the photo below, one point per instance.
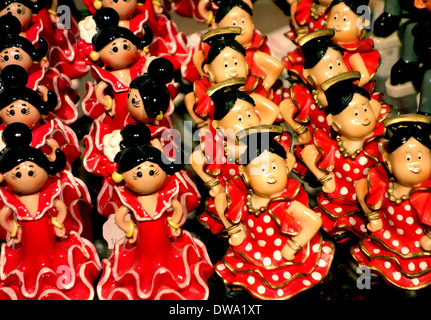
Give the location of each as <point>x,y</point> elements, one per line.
<point>151,165</point>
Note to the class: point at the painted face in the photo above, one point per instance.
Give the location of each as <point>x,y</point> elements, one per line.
<point>15,56</point>
<point>136,107</point>
<point>241,116</point>
<point>26,178</point>
<point>20,111</point>
<point>228,64</point>
<point>345,23</point>
<point>124,8</point>
<point>411,163</point>
<point>330,65</point>
<point>267,174</point>
<point>145,179</point>
<point>20,11</point>
<point>118,54</point>
<point>358,120</point>
<point>237,17</point>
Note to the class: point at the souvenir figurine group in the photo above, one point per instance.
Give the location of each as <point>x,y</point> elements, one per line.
<point>283,173</point>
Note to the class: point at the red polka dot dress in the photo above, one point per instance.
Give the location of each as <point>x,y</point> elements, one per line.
<point>257,264</point>
<point>394,251</point>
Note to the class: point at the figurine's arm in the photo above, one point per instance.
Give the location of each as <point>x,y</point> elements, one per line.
<point>267,110</point>
<point>287,111</point>
<point>10,225</point>
<point>309,156</point>
<point>175,219</point>
<point>58,221</point>
<point>299,30</point>
<point>189,101</point>
<point>198,60</point>
<point>270,66</point>
<point>310,223</point>
<point>357,64</point>
<point>374,218</point>
<point>127,226</point>
<point>105,100</point>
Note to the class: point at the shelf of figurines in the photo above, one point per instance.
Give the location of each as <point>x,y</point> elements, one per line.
<point>225,165</point>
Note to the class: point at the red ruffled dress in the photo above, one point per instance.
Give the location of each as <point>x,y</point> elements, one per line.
<point>257,264</point>
<point>340,210</point>
<point>394,251</point>
<point>44,266</point>
<point>156,266</point>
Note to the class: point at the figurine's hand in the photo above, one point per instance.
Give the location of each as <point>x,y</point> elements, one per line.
<point>216,190</point>
<point>375,225</point>
<point>425,242</point>
<point>53,144</point>
<point>44,63</point>
<point>134,237</point>
<point>60,232</point>
<point>305,137</point>
<point>329,186</point>
<point>288,253</point>
<point>237,236</point>
<point>17,239</point>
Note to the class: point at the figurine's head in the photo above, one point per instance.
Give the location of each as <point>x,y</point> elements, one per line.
<point>345,18</point>
<point>266,165</point>
<point>233,109</point>
<point>19,103</point>
<point>124,8</point>
<point>423,4</point>
<point>21,9</point>
<point>408,151</point>
<point>236,13</point>
<point>350,113</point>
<point>116,46</point>
<point>226,56</point>
<point>322,58</point>
<point>15,49</point>
<point>142,167</point>
<point>26,169</point>
<point>148,97</point>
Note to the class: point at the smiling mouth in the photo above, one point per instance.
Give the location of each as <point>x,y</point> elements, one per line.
<point>233,75</point>
<point>366,124</point>
<point>415,170</point>
<point>272,181</point>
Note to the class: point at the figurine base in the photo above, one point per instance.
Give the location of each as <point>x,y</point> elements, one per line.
<point>403,97</point>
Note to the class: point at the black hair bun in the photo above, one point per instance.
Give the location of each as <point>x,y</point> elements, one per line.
<point>17,134</point>
<point>162,70</point>
<point>135,135</point>
<point>106,17</point>
<point>10,24</point>
<point>14,76</point>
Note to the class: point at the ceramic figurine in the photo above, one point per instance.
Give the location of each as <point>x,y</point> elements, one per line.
<point>360,55</point>
<point>216,161</point>
<point>308,16</point>
<point>395,197</point>
<point>116,56</point>
<point>275,248</point>
<point>17,50</point>
<point>225,60</point>
<point>42,247</point>
<point>21,104</point>
<point>339,161</point>
<point>156,259</point>
<point>168,42</point>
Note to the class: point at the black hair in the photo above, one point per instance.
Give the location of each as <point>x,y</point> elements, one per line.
<point>219,41</point>
<point>258,143</point>
<point>11,28</point>
<point>315,49</point>
<point>17,137</point>
<point>225,6</point>
<point>14,78</point>
<point>400,133</point>
<point>35,7</point>
<point>352,4</point>
<point>341,93</point>
<point>152,86</point>
<point>135,149</point>
<point>224,101</point>
<point>107,20</point>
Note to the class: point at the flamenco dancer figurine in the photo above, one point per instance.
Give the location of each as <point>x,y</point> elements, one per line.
<point>21,104</point>
<point>339,162</point>
<point>156,259</point>
<point>276,251</point>
<point>41,248</point>
<point>116,56</point>
<point>396,200</point>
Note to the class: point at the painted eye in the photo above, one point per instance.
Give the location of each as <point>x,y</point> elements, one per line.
<point>151,172</point>
<point>125,46</point>
<point>344,18</point>
<point>336,17</point>
<point>330,66</point>
<point>263,169</point>
<point>18,175</point>
<point>419,156</point>
<point>235,62</point>
<point>248,114</point>
<point>274,167</point>
<point>234,23</point>
<point>240,118</point>
<point>356,112</point>
<point>6,58</point>
<point>31,173</point>
<point>23,111</point>
<point>115,49</point>
<point>226,65</point>
<point>243,21</point>
<point>139,174</point>
<point>408,157</point>
<point>12,112</point>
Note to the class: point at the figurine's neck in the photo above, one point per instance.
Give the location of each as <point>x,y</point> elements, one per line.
<point>351,145</point>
